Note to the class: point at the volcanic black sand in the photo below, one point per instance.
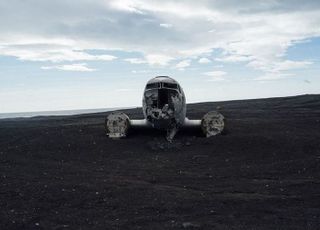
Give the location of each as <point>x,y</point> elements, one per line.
<point>263,173</point>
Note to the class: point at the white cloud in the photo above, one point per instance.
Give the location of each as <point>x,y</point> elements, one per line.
<point>53,52</point>
<point>158,59</point>
<point>125,5</point>
<point>289,65</point>
<point>140,71</point>
<point>259,33</point>
<point>171,7</point>
<point>151,59</point>
<point>278,66</point>
<point>204,60</point>
<point>165,25</point>
<point>136,60</point>
<point>235,58</point>
<point>183,64</point>
<point>79,67</point>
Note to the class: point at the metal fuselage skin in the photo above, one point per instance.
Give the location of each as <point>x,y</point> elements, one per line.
<point>164,103</point>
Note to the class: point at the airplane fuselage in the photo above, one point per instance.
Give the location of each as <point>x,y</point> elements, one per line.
<point>164,107</point>
<point>164,103</point>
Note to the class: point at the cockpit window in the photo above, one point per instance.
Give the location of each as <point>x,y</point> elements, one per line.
<point>170,85</point>
<point>153,85</point>
<point>159,85</point>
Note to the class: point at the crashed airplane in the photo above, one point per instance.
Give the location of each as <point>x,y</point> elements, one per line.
<point>164,108</point>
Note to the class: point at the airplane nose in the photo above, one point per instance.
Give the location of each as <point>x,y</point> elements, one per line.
<point>162,104</point>
<point>160,114</point>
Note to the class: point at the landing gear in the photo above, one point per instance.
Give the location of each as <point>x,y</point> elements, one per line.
<point>212,123</point>
<point>172,130</point>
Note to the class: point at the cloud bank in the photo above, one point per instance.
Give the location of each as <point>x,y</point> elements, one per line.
<point>256,33</point>
<point>79,67</point>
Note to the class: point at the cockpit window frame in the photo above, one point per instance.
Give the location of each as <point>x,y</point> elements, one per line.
<point>155,85</point>
<point>169,85</point>
<point>163,85</point>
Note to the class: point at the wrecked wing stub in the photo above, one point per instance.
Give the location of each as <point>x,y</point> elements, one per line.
<point>117,125</point>
<point>212,123</point>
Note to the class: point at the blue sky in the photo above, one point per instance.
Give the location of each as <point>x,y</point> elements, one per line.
<point>60,55</point>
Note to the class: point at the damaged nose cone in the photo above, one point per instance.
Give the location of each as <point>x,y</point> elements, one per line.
<point>156,113</point>
<point>117,125</point>
<point>212,123</point>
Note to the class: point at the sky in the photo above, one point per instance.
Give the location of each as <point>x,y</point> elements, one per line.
<point>87,54</point>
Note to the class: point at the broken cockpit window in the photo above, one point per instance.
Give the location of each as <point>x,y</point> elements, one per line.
<point>153,85</point>
<point>170,85</point>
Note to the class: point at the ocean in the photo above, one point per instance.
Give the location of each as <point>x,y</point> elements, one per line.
<point>55,113</point>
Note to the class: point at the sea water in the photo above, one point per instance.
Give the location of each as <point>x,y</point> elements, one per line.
<point>55,113</point>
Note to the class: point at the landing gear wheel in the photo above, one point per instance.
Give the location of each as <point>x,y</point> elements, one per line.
<point>117,125</point>
<point>212,123</point>
<point>172,131</point>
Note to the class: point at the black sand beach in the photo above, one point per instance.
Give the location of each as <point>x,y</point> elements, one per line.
<point>264,173</point>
